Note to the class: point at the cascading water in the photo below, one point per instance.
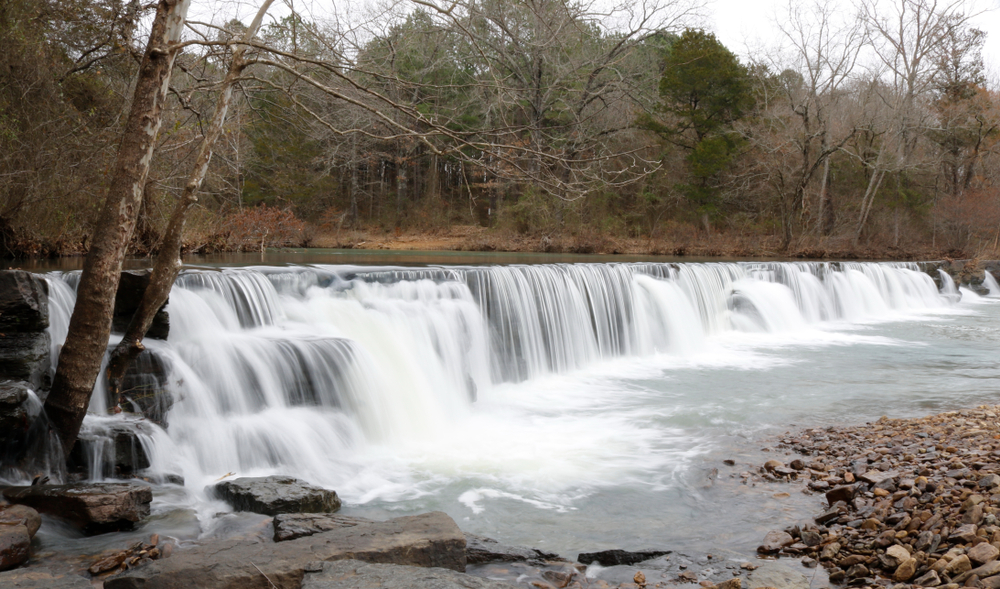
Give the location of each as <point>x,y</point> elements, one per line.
<point>389,383</point>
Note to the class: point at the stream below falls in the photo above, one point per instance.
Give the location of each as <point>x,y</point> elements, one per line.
<point>570,407</point>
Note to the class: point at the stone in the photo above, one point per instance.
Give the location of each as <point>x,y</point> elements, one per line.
<point>620,557</point>
<point>844,493</point>
<point>11,515</point>
<point>354,574</point>
<point>897,552</point>
<point>974,515</point>
<point>958,566</point>
<point>736,583</point>
<point>25,357</point>
<point>989,481</point>
<point>24,302</point>
<point>778,573</point>
<point>931,579</point>
<point>905,571</point>
<point>13,411</point>
<point>830,551</point>
<point>144,389</point>
<point>874,477</point>
<point>94,508</point>
<point>827,517</point>
<point>987,570</point>
<point>42,578</point>
<point>774,541</point>
<point>811,538</point>
<point>117,448</point>
<point>289,526</point>
<point>965,533</point>
<point>772,465</point>
<point>427,540</point>
<point>131,287</point>
<point>480,550</point>
<point>983,553</point>
<point>15,546</point>
<point>274,495</point>
<point>797,464</point>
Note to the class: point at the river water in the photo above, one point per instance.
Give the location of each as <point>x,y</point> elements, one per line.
<point>570,407</point>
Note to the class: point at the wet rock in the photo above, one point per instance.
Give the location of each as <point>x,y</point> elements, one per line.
<point>774,541</point>
<point>110,450</point>
<point>983,553</point>
<point>772,465</point>
<point>15,545</point>
<point>11,515</point>
<point>94,508</point>
<point>25,357</point>
<point>844,493</point>
<point>135,555</point>
<point>354,574</point>
<point>13,412</point>
<point>273,495</point>
<point>830,551</point>
<point>42,578</point>
<point>779,574</point>
<point>480,550</point>
<point>427,540</point>
<point>144,388</point>
<point>736,583</point>
<point>24,302</point>
<point>811,538</point>
<point>619,557</point>
<point>289,526</point>
<point>131,287</point>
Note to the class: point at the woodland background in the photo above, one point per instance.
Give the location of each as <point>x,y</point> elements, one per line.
<point>519,124</point>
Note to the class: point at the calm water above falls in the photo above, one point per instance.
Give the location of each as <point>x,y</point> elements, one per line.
<point>569,407</point>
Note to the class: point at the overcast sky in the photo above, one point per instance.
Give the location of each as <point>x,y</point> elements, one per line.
<point>743,25</point>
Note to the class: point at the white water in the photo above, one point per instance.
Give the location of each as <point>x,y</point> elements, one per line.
<point>488,391</point>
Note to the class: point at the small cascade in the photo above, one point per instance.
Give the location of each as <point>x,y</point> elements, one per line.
<point>991,284</point>
<point>948,288</point>
<point>294,370</point>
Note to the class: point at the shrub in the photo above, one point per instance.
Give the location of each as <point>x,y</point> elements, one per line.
<point>256,228</point>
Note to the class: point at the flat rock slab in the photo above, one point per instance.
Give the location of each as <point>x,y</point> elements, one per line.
<point>42,578</point>
<point>426,540</point>
<point>274,495</point>
<point>353,574</point>
<point>616,557</point>
<point>480,550</point>
<point>289,526</point>
<point>94,508</point>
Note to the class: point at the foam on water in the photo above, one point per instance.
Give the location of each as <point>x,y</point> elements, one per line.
<point>529,384</point>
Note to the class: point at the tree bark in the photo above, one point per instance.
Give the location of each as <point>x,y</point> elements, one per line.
<point>826,215</point>
<point>90,324</point>
<point>168,259</point>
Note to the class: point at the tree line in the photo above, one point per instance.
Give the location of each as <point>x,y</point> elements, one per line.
<point>873,123</point>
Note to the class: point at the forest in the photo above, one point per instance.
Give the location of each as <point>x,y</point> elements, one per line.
<point>550,125</point>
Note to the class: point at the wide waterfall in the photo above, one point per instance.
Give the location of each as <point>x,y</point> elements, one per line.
<point>536,385</point>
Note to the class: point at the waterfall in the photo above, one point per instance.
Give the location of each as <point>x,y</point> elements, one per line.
<point>295,370</point>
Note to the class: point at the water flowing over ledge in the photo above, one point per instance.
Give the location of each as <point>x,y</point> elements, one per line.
<point>391,384</point>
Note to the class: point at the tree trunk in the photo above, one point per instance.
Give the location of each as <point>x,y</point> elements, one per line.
<point>353,213</point>
<point>90,324</point>
<point>168,260</point>
<point>826,215</point>
<point>866,202</point>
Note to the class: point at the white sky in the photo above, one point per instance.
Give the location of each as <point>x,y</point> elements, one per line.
<point>746,25</point>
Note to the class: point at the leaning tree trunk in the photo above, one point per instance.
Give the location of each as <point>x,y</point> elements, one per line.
<point>90,324</point>
<point>168,259</point>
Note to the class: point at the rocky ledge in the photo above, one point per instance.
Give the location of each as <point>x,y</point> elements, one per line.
<point>905,502</point>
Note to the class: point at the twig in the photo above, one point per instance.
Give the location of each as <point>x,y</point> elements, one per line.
<point>265,576</point>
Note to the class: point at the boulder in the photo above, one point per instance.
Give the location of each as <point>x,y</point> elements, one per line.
<point>620,557</point>
<point>24,302</point>
<point>289,526</point>
<point>12,515</point>
<point>110,449</point>
<point>354,574</point>
<point>276,494</point>
<point>13,413</point>
<point>774,541</point>
<point>25,357</point>
<point>94,508</point>
<point>480,550</point>
<point>983,553</point>
<point>42,578</point>
<point>427,540</point>
<point>15,545</point>
<point>144,389</point>
<point>131,287</point>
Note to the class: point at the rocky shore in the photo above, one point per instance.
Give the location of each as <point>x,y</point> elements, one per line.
<point>900,502</point>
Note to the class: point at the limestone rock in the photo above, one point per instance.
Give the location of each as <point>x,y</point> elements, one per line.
<point>15,545</point>
<point>25,357</point>
<point>273,495</point>
<point>21,514</point>
<point>619,557</point>
<point>94,508</point>
<point>983,553</point>
<point>480,550</point>
<point>42,578</point>
<point>354,574</point>
<point>430,539</point>
<point>131,287</point>
<point>24,302</point>
<point>289,526</point>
